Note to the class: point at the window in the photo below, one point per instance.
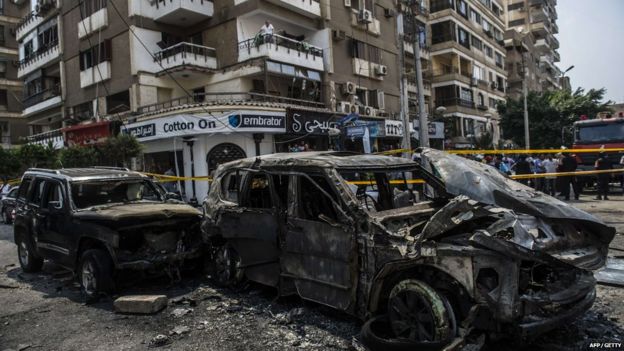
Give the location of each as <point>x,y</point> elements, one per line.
<point>199,94</point>
<point>364,5</point>
<point>96,55</point>
<point>492,103</point>
<point>258,192</point>
<point>440,5</point>
<point>462,8</point>
<point>488,50</point>
<point>119,102</point>
<point>480,100</point>
<point>464,38</point>
<point>442,32</point>
<point>1,35</point>
<point>500,82</point>
<point>517,22</point>
<point>466,94</point>
<point>102,193</point>
<point>54,197</point>
<point>477,43</point>
<point>48,37</point>
<point>35,198</point>
<point>314,203</point>
<point>365,51</point>
<point>231,185</point>
<point>3,97</point>
<point>28,49</point>
<point>516,6</point>
<point>23,188</point>
<point>486,26</point>
<point>361,95</point>
<point>88,7</point>
<point>475,16</point>
<point>499,60</point>
<point>477,72</point>
<point>83,111</point>
<point>3,67</point>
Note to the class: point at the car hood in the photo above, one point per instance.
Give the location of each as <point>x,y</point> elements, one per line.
<point>138,211</point>
<point>485,184</point>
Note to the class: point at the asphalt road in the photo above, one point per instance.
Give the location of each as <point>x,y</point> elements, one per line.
<point>45,312</point>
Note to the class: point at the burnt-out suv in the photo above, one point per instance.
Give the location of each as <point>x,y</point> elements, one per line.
<point>423,251</point>
<point>98,221</point>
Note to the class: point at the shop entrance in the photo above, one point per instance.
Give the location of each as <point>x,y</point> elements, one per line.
<point>165,163</point>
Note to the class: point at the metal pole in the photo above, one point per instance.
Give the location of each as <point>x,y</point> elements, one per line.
<point>406,144</point>
<point>422,113</point>
<point>527,143</point>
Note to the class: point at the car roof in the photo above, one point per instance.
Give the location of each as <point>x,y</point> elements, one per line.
<point>79,174</point>
<point>329,159</point>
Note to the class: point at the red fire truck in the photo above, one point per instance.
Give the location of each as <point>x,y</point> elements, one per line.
<point>596,133</point>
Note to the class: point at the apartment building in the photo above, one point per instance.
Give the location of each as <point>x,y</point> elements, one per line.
<point>201,82</point>
<point>532,46</point>
<point>40,68</point>
<point>468,76</point>
<point>12,125</point>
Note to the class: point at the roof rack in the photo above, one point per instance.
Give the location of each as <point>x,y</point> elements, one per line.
<point>44,170</point>
<point>112,168</point>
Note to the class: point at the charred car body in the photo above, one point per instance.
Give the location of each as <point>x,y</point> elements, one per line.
<point>97,221</point>
<point>474,249</point>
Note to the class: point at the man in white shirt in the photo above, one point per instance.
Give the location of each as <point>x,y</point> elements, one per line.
<point>266,32</point>
<point>550,166</point>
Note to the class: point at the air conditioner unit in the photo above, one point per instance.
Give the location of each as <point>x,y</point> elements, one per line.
<point>367,110</point>
<point>389,12</point>
<point>474,81</point>
<point>348,88</point>
<point>344,107</point>
<point>381,70</point>
<point>347,3</point>
<point>339,34</point>
<point>494,85</point>
<point>365,16</point>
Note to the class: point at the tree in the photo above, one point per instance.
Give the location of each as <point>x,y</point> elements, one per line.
<point>79,156</point>
<point>9,163</point>
<point>118,150</point>
<point>549,112</point>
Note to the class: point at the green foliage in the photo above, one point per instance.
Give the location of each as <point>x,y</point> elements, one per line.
<point>118,150</point>
<point>9,163</point>
<point>79,156</point>
<point>484,142</point>
<point>549,112</point>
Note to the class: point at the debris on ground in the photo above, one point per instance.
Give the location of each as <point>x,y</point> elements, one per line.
<point>179,330</point>
<point>612,273</point>
<point>179,312</point>
<point>140,304</point>
<point>159,340</point>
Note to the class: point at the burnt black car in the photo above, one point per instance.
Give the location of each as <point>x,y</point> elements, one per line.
<point>7,205</point>
<point>469,249</point>
<point>99,221</point>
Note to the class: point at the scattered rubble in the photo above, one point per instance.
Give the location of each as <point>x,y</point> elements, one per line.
<point>159,340</point>
<point>140,304</point>
<point>179,330</point>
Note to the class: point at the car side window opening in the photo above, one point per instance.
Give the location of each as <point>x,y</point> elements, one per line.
<point>383,190</point>
<point>36,196</point>
<point>23,189</point>
<point>54,197</point>
<point>258,192</point>
<point>280,182</point>
<point>313,203</point>
<point>231,185</point>
<point>12,193</point>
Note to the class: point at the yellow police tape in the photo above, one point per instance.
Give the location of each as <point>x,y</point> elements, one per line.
<point>515,151</point>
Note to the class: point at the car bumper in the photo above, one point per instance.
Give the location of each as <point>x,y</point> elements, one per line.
<point>157,261</point>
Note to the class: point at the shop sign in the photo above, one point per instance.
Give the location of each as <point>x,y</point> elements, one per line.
<point>87,134</point>
<point>194,124</point>
<point>356,131</point>
<point>436,130</point>
<point>393,128</point>
<point>310,122</point>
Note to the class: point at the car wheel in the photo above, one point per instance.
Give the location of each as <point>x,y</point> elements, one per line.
<point>95,274</point>
<point>418,313</point>
<point>377,335</point>
<point>5,217</point>
<point>226,270</point>
<point>28,258</point>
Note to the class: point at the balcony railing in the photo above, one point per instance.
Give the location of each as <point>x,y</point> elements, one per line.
<point>186,51</point>
<point>227,99</point>
<point>279,40</point>
<point>54,136</point>
<point>182,12</point>
<point>455,102</point>
<point>41,96</point>
<point>444,70</point>
<point>39,53</point>
<point>416,7</point>
<point>29,18</point>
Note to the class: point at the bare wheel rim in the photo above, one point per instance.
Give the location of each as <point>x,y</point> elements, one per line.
<point>411,317</point>
<point>223,264</point>
<point>24,255</point>
<point>88,278</point>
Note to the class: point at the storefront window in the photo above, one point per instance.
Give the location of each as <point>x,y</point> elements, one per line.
<point>222,153</point>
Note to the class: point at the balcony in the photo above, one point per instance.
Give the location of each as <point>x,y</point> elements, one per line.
<point>46,54</point>
<point>94,22</point>
<point>184,55</point>
<point>183,13</point>
<point>555,43</point>
<point>42,100</point>
<point>308,8</point>
<point>27,24</point>
<point>538,14</point>
<point>554,27</point>
<point>225,98</point>
<point>281,49</point>
<point>447,73</point>
<point>556,56</point>
<point>54,136</point>
<point>450,102</point>
<point>425,51</point>
<point>541,28</point>
<point>412,86</point>
<point>542,45</point>
<point>95,74</point>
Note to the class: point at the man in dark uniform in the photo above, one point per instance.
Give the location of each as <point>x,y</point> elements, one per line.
<point>569,164</point>
<point>603,163</point>
<point>522,167</point>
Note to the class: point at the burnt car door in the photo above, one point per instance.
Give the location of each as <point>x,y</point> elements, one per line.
<point>53,222</point>
<point>319,247</point>
<point>252,226</point>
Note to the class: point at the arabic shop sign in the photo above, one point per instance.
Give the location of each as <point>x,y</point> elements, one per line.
<point>310,122</point>
<point>194,124</point>
<point>436,130</point>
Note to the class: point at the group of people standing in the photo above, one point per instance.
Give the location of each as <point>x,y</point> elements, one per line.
<point>548,164</point>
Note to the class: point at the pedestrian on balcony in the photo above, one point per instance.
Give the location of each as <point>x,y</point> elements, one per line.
<point>266,32</point>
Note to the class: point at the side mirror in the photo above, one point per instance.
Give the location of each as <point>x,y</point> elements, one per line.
<point>173,196</point>
<point>55,206</point>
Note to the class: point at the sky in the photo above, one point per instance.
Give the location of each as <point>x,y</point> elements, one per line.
<point>591,37</point>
